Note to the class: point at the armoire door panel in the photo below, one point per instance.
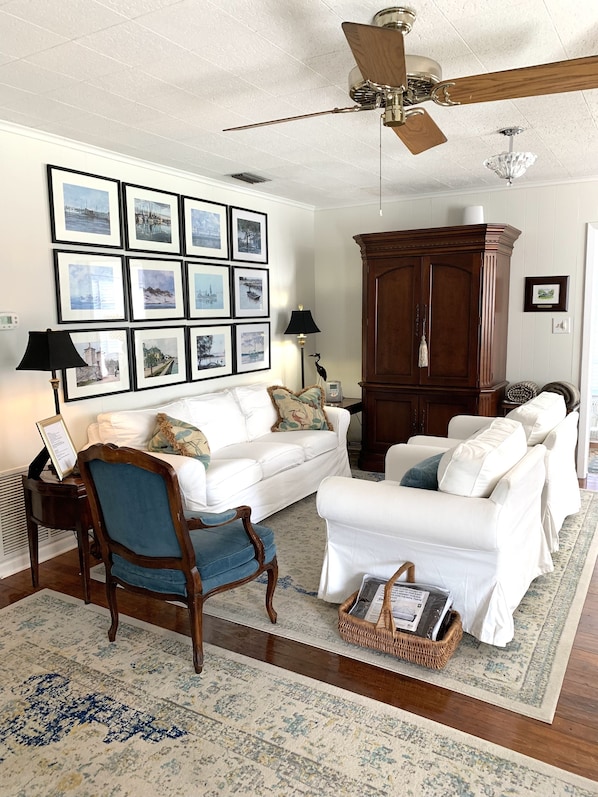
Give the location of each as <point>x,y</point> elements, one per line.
<point>452,319</point>
<point>394,292</point>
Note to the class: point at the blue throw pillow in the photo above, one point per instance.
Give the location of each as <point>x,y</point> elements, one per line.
<point>423,475</point>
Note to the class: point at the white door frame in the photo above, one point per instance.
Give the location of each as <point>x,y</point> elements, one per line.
<point>589,330</point>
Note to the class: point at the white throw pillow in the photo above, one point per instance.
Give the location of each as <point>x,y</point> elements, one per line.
<point>474,467</point>
<point>135,427</point>
<point>219,417</point>
<point>256,405</point>
<point>539,416</point>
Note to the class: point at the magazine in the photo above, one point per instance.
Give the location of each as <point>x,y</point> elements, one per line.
<point>420,609</point>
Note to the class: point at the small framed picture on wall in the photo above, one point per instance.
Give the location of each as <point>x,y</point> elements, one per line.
<point>249,235</point>
<point>151,220</point>
<point>251,292</point>
<point>107,369</point>
<point>205,226</point>
<point>156,289</point>
<point>252,347</point>
<point>89,287</point>
<point>210,352</point>
<point>84,208</point>
<point>208,290</point>
<point>159,357</point>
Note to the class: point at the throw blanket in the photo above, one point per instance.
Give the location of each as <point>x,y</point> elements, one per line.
<point>520,392</point>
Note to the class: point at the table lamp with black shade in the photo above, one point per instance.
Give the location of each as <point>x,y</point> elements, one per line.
<point>49,351</point>
<point>301,324</point>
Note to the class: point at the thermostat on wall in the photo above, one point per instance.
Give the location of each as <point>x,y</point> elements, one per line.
<point>8,320</point>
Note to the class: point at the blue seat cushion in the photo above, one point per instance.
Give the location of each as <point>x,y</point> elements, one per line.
<point>424,475</point>
<point>223,554</point>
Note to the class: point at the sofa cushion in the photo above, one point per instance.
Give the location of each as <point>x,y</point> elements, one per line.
<point>219,417</point>
<point>424,475</point>
<point>299,411</point>
<point>226,477</point>
<point>173,436</point>
<point>135,427</point>
<point>313,443</point>
<point>257,407</point>
<point>272,457</point>
<point>539,416</point>
<point>476,465</point>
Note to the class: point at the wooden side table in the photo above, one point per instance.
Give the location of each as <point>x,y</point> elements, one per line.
<point>354,405</point>
<point>58,504</point>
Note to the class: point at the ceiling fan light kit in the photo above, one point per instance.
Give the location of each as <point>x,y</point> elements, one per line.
<point>387,79</point>
<point>510,165</point>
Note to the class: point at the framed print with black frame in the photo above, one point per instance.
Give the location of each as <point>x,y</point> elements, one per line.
<point>59,445</point>
<point>249,235</point>
<point>106,352</point>
<point>89,287</point>
<point>208,290</point>
<point>546,294</point>
<point>84,208</point>
<point>210,352</point>
<point>205,228</point>
<point>156,289</point>
<point>152,222</point>
<point>251,292</point>
<point>159,357</point>
<point>252,347</point>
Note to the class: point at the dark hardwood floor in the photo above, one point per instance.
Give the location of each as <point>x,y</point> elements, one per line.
<point>570,742</point>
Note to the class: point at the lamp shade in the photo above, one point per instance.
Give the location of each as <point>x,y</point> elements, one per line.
<point>50,351</point>
<point>301,323</point>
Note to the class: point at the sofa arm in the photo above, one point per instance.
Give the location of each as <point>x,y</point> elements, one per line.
<point>425,516</point>
<point>463,426</point>
<point>191,474</point>
<point>340,419</point>
<point>402,456</point>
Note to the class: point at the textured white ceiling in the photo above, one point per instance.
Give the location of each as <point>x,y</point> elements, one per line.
<point>160,79</point>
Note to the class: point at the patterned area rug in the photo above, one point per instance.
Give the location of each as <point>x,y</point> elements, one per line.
<point>80,717</point>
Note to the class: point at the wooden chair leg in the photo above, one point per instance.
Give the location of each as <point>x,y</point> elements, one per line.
<point>111,597</point>
<point>272,579</point>
<point>196,622</point>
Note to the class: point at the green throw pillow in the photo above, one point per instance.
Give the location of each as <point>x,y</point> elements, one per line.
<point>299,411</point>
<point>172,436</point>
<point>423,475</point>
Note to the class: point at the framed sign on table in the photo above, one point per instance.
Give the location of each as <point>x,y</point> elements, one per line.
<point>106,352</point>
<point>249,235</point>
<point>89,287</point>
<point>205,228</point>
<point>156,289</point>
<point>59,445</point>
<point>159,357</point>
<point>252,347</point>
<point>208,290</point>
<point>84,208</point>
<point>151,220</point>
<point>210,352</point>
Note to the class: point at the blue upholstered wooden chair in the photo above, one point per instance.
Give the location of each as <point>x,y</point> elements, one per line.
<point>150,545</point>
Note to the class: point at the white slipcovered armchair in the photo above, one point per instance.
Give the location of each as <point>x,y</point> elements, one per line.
<point>485,550</point>
<point>545,420</point>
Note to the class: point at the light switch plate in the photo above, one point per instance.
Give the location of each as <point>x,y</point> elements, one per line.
<point>561,326</point>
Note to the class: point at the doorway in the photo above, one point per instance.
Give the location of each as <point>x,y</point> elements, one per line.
<point>588,411</point>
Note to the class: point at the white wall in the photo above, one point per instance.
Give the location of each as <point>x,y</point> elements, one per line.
<point>26,267</point>
<point>552,221</point>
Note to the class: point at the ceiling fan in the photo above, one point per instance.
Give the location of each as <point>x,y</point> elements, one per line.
<point>385,78</point>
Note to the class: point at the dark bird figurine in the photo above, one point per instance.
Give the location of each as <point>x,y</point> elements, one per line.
<point>319,368</point>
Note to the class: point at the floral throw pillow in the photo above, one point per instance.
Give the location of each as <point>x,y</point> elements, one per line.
<point>299,411</point>
<point>172,436</point>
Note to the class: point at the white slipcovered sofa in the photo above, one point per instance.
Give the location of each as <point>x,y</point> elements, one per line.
<point>479,534</point>
<point>545,420</point>
<point>249,464</point>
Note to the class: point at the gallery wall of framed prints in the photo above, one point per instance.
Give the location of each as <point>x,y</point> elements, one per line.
<point>189,283</point>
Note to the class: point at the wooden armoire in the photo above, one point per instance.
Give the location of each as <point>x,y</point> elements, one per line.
<point>435,311</point>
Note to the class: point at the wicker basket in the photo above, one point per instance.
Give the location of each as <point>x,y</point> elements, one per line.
<point>384,636</point>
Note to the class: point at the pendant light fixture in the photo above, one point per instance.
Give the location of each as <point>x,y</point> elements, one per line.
<point>510,165</point>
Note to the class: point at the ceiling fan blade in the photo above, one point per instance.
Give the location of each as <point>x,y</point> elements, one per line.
<point>350,109</point>
<point>378,52</point>
<point>579,74</point>
<point>420,132</point>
